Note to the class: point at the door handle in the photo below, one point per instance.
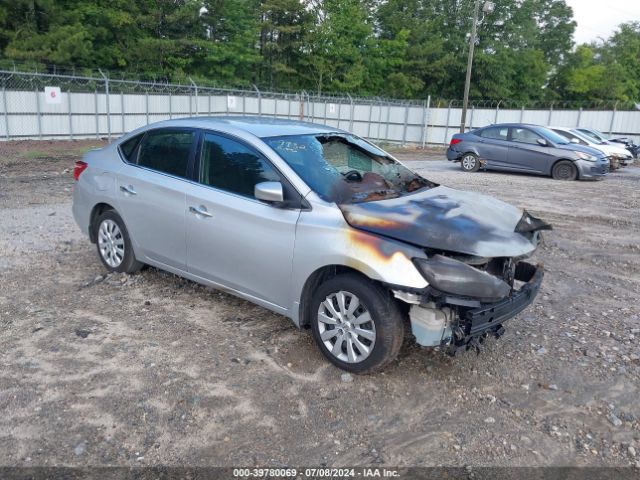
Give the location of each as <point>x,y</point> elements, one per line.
<point>200,211</point>
<point>128,189</point>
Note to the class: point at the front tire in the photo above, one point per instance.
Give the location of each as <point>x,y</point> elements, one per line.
<point>356,323</point>
<point>564,170</point>
<point>114,245</point>
<point>470,162</point>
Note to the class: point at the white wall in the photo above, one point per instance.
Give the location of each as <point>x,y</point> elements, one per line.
<point>26,114</point>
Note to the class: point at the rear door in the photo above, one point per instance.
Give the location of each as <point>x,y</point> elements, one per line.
<point>493,146</point>
<point>526,154</point>
<point>233,239</point>
<point>151,194</point>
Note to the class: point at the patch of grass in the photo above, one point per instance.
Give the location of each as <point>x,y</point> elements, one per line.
<point>33,154</point>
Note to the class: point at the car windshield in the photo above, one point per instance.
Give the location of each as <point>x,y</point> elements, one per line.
<point>343,168</point>
<point>553,136</point>
<point>591,134</point>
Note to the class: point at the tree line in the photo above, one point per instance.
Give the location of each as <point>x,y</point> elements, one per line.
<point>391,48</point>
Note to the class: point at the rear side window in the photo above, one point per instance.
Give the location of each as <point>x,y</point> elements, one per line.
<point>167,151</point>
<point>233,167</point>
<point>496,133</point>
<point>128,148</point>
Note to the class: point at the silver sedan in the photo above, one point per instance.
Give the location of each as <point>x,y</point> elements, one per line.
<point>313,223</point>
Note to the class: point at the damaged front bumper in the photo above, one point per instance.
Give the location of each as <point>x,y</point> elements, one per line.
<point>457,323</point>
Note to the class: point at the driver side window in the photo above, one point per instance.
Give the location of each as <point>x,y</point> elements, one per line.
<point>524,135</point>
<point>233,167</point>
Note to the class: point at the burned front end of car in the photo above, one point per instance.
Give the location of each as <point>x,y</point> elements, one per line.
<point>470,297</point>
<point>474,263</point>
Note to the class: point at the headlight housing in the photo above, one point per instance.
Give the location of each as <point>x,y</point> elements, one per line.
<point>457,278</point>
<point>586,156</point>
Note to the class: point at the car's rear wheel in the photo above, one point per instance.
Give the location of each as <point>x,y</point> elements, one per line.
<point>114,244</point>
<point>470,162</point>
<point>564,170</point>
<point>356,323</point>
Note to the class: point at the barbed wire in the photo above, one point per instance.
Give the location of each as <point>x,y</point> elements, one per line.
<point>37,75</point>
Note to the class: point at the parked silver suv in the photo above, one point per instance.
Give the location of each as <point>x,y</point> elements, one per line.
<point>313,223</point>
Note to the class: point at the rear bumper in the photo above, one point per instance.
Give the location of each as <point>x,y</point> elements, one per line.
<point>453,155</point>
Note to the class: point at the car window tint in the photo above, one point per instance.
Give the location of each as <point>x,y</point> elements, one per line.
<point>128,148</point>
<point>524,135</point>
<point>496,133</point>
<point>231,166</point>
<point>166,151</point>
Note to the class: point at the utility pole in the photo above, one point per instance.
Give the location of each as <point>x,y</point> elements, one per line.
<point>488,7</point>
<point>467,82</point>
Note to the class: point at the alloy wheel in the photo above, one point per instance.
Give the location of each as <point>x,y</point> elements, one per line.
<point>468,162</point>
<point>346,327</point>
<point>111,243</point>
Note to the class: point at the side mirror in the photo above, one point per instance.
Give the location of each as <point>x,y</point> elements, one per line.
<point>543,142</point>
<point>269,192</point>
<point>574,140</point>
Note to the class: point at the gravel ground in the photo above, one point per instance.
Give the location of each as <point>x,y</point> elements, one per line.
<point>150,369</point>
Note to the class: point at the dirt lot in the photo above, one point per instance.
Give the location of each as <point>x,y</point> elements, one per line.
<point>150,369</point>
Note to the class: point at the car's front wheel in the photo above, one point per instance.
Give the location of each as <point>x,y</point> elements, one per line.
<point>356,323</point>
<point>564,170</point>
<point>114,244</point>
<point>470,162</point>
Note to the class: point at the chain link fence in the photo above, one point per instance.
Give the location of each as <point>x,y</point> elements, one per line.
<point>36,105</point>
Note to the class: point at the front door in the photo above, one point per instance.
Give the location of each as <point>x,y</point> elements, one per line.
<point>526,154</point>
<point>233,239</point>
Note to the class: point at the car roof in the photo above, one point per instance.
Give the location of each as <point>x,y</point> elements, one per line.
<point>262,127</point>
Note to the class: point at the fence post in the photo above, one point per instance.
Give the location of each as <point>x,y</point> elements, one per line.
<point>386,126</point>
<point>209,102</point>
<point>579,117</point>
<point>39,114</point>
<point>70,119</point>
<point>521,114</point>
<point>350,113</point>
<point>6,115</point>
<point>195,88</point>
<point>497,111</point>
<point>301,108</point>
<point>550,114</point>
<point>446,129</point>
<point>406,121</point>
<point>426,114</point>
<point>370,120</point>
<point>95,102</point>
<point>146,106</point>
<point>106,91</point>
<point>473,110</point>
<point>124,128</point>
<point>379,121</point>
<point>170,106</point>
<point>613,117</point>
<point>259,100</point>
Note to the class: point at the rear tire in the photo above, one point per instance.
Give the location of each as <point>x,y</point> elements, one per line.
<point>114,245</point>
<point>356,323</point>
<point>470,162</point>
<point>564,170</point>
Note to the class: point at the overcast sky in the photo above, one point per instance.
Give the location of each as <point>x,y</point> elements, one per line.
<point>597,18</point>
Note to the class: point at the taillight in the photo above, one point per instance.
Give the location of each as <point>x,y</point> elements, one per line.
<point>455,141</point>
<point>79,167</point>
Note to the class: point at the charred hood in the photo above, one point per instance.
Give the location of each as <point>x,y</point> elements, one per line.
<point>446,219</point>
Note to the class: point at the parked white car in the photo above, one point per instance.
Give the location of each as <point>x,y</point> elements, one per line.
<point>618,156</point>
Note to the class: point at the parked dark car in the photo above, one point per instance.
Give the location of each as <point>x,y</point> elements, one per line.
<point>526,148</point>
